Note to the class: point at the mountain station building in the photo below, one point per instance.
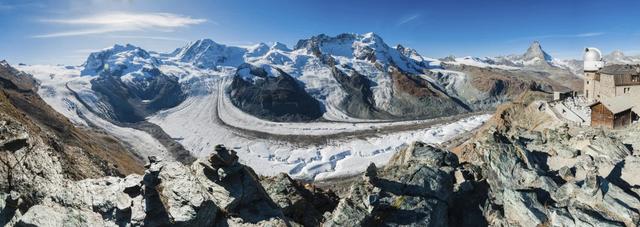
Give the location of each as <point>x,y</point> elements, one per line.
<point>612,90</point>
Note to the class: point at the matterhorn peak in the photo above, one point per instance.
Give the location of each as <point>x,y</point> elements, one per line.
<point>535,51</point>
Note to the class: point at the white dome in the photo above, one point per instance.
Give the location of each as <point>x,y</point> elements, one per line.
<point>592,54</point>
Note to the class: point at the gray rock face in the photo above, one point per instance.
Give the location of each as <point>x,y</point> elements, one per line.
<point>408,191</point>
<point>303,203</point>
<point>276,98</point>
<point>134,100</point>
<point>217,191</point>
<point>631,170</point>
<point>531,182</point>
<point>359,101</point>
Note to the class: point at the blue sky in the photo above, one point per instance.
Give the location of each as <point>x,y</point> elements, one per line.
<point>66,31</point>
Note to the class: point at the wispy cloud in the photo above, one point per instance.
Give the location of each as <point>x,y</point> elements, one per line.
<point>578,35</point>
<point>407,19</point>
<point>590,34</point>
<point>120,22</point>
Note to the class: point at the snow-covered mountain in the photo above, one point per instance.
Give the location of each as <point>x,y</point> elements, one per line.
<point>535,58</point>
<point>618,57</point>
<point>535,65</point>
<point>128,60</point>
<point>348,77</point>
<point>345,77</point>
<point>254,97</point>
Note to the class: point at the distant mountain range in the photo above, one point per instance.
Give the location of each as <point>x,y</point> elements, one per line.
<point>170,104</point>
<point>325,111</point>
<point>346,77</point>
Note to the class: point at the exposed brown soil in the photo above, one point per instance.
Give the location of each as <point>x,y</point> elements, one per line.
<point>84,153</point>
<point>413,86</point>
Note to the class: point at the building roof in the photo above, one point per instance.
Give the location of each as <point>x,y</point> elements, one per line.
<point>620,104</point>
<point>621,69</point>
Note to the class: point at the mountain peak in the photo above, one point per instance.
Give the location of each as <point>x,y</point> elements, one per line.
<point>340,39</point>
<point>125,47</point>
<point>280,46</point>
<point>206,53</point>
<point>371,35</point>
<point>118,58</point>
<point>618,57</point>
<point>536,51</point>
<point>617,53</point>
<point>207,42</point>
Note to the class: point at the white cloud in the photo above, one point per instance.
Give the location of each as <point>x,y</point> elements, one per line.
<point>121,21</point>
<point>579,35</point>
<point>590,34</point>
<point>407,19</point>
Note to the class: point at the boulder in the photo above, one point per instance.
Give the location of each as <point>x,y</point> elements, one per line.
<point>414,189</point>
<point>631,171</point>
<point>302,203</point>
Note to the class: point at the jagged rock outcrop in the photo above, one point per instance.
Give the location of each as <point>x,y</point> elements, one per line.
<point>216,191</point>
<point>542,172</point>
<point>304,203</point>
<point>276,97</point>
<point>415,188</point>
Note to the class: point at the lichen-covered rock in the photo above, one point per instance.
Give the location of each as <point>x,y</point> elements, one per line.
<point>524,207</point>
<point>559,179</point>
<point>631,171</point>
<point>303,203</point>
<point>56,215</point>
<point>169,193</point>
<point>414,189</point>
<point>185,201</point>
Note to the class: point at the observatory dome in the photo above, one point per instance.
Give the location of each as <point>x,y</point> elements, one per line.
<point>592,54</point>
<point>592,59</point>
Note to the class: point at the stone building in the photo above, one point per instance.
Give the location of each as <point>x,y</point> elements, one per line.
<point>608,81</point>
<point>613,90</point>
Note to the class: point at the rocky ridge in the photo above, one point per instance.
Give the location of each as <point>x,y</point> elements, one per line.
<point>541,171</point>
<point>524,167</point>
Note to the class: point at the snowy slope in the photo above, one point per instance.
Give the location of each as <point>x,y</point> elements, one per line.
<point>57,86</point>
<point>207,117</point>
<point>198,128</point>
<point>535,58</point>
<point>128,59</point>
<point>618,57</point>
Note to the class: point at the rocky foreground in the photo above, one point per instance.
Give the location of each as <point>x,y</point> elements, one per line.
<point>523,168</point>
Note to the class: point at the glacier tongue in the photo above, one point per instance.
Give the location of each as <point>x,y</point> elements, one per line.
<point>205,120</point>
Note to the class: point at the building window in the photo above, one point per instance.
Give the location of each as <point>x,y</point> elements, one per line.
<point>587,82</point>
<point>626,90</point>
<point>587,93</point>
<point>635,78</point>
